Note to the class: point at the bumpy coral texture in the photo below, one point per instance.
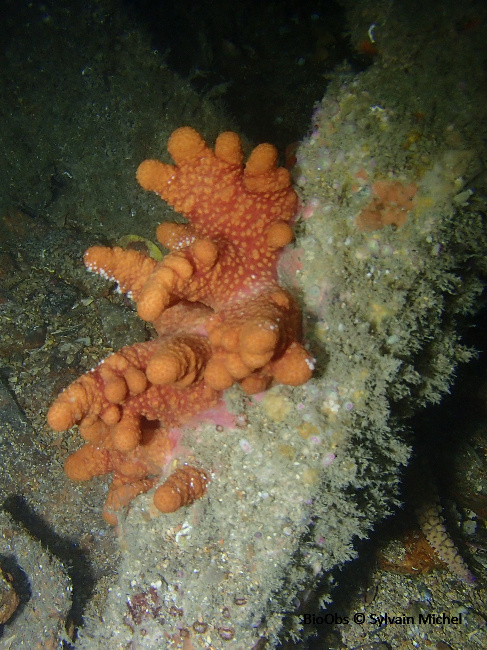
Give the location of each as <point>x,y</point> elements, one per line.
<point>433,526</point>
<point>216,305</point>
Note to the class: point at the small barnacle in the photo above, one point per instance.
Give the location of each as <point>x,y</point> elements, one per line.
<point>184,531</point>
<point>226,633</point>
<point>240,601</point>
<point>200,627</point>
<point>144,606</point>
<point>176,611</point>
<point>241,421</point>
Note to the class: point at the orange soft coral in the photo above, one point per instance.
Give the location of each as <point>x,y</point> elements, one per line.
<point>129,422</point>
<point>224,258</point>
<point>215,302</point>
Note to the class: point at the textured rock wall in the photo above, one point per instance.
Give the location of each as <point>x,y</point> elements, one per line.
<point>307,471</point>
<point>386,262</point>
